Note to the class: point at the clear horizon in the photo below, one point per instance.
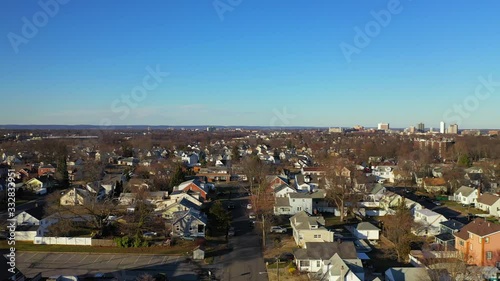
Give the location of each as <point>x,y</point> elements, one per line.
<point>250,63</point>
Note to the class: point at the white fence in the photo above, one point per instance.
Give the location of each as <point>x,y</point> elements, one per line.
<point>63,241</point>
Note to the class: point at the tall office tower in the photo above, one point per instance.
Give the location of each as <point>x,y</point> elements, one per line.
<point>453,129</point>
<point>442,128</point>
<point>421,127</point>
<point>383,126</point>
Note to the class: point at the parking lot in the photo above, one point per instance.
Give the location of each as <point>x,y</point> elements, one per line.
<point>120,266</point>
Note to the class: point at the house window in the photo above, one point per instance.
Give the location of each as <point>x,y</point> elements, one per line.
<point>293,200</point>
<point>480,240</point>
<point>318,263</point>
<point>304,263</point>
<point>489,255</point>
<point>317,236</point>
<point>487,240</point>
<point>178,228</point>
<point>470,247</point>
<point>461,243</point>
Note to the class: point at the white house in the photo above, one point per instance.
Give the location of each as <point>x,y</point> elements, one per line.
<point>283,190</point>
<point>189,223</point>
<point>338,269</point>
<point>366,230</point>
<point>385,173</point>
<point>294,203</point>
<point>429,222</point>
<point>489,203</point>
<point>466,195</point>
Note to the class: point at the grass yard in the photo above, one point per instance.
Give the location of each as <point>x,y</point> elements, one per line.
<point>459,208</point>
<point>180,248</point>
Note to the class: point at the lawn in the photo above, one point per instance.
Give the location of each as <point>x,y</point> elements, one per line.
<point>179,249</point>
<point>459,208</point>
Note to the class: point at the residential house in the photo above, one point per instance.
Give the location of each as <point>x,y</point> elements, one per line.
<point>36,186</point>
<point>466,195</point>
<point>366,230</point>
<point>30,217</point>
<point>183,205</point>
<point>435,185</point>
<point>384,173</point>
<point>428,222</point>
<point>76,196</point>
<point>46,169</point>
<point>309,229</point>
<point>310,202</point>
<point>189,223</point>
<point>479,242</point>
<point>337,268</point>
<point>96,189</point>
<point>306,183</point>
<point>446,237</point>
<point>489,203</point>
<point>474,178</point>
<point>390,200</point>
<point>275,181</point>
<point>283,190</point>
<point>128,161</point>
<point>377,192</point>
<point>407,274</point>
<point>419,178</point>
<point>193,185</point>
<point>313,255</point>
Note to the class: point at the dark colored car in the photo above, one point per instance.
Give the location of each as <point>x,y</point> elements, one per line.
<point>230,206</point>
<point>286,257</point>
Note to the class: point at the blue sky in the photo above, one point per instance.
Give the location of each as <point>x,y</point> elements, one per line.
<point>271,62</point>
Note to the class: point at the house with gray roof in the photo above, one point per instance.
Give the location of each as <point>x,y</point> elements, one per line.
<point>407,274</point>
<point>311,202</point>
<point>189,223</point>
<point>337,268</point>
<point>366,230</point>
<point>308,228</point>
<point>312,256</point>
<point>466,195</point>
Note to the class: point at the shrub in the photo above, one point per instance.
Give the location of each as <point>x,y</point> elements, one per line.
<point>292,270</point>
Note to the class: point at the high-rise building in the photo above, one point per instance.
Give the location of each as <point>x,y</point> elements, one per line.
<point>411,130</point>
<point>383,126</point>
<point>421,127</point>
<point>442,128</point>
<point>453,129</point>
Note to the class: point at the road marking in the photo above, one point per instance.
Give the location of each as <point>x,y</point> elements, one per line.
<point>97,258</point>
<point>150,260</point>
<point>163,261</point>
<point>137,259</point>
<point>57,257</point>
<point>111,258</point>
<point>84,257</point>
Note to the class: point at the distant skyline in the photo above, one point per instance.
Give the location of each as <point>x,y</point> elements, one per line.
<point>259,63</point>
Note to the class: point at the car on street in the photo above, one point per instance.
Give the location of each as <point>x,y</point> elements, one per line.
<point>252,216</point>
<point>231,231</point>
<point>230,206</point>
<point>249,206</point>
<point>278,229</point>
<point>437,203</point>
<point>149,234</point>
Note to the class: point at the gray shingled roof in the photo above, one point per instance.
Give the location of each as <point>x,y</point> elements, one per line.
<point>465,190</point>
<point>366,226</point>
<point>326,250</point>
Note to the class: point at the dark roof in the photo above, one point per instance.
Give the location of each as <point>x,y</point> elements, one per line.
<point>27,227</point>
<point>37,212</point>
<point>452,224</point>
<point>445,237</point>
<point>326,250</point>
<point>475,176</point>
<point>479,227</point>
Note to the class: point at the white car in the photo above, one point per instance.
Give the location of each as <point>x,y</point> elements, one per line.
<point>249,206</point>
<point>277,229</point>
<point>251,216</point>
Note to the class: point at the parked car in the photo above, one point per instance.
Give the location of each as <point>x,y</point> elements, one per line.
<point>437,203</point>
<point>149,234</point>
<point>249,206</point>
<point>277,229</point>
<point>231,231</point>
<point>251,216</point>
<point>230,206</point>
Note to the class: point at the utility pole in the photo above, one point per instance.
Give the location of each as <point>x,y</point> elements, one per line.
<point>278,267</point>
